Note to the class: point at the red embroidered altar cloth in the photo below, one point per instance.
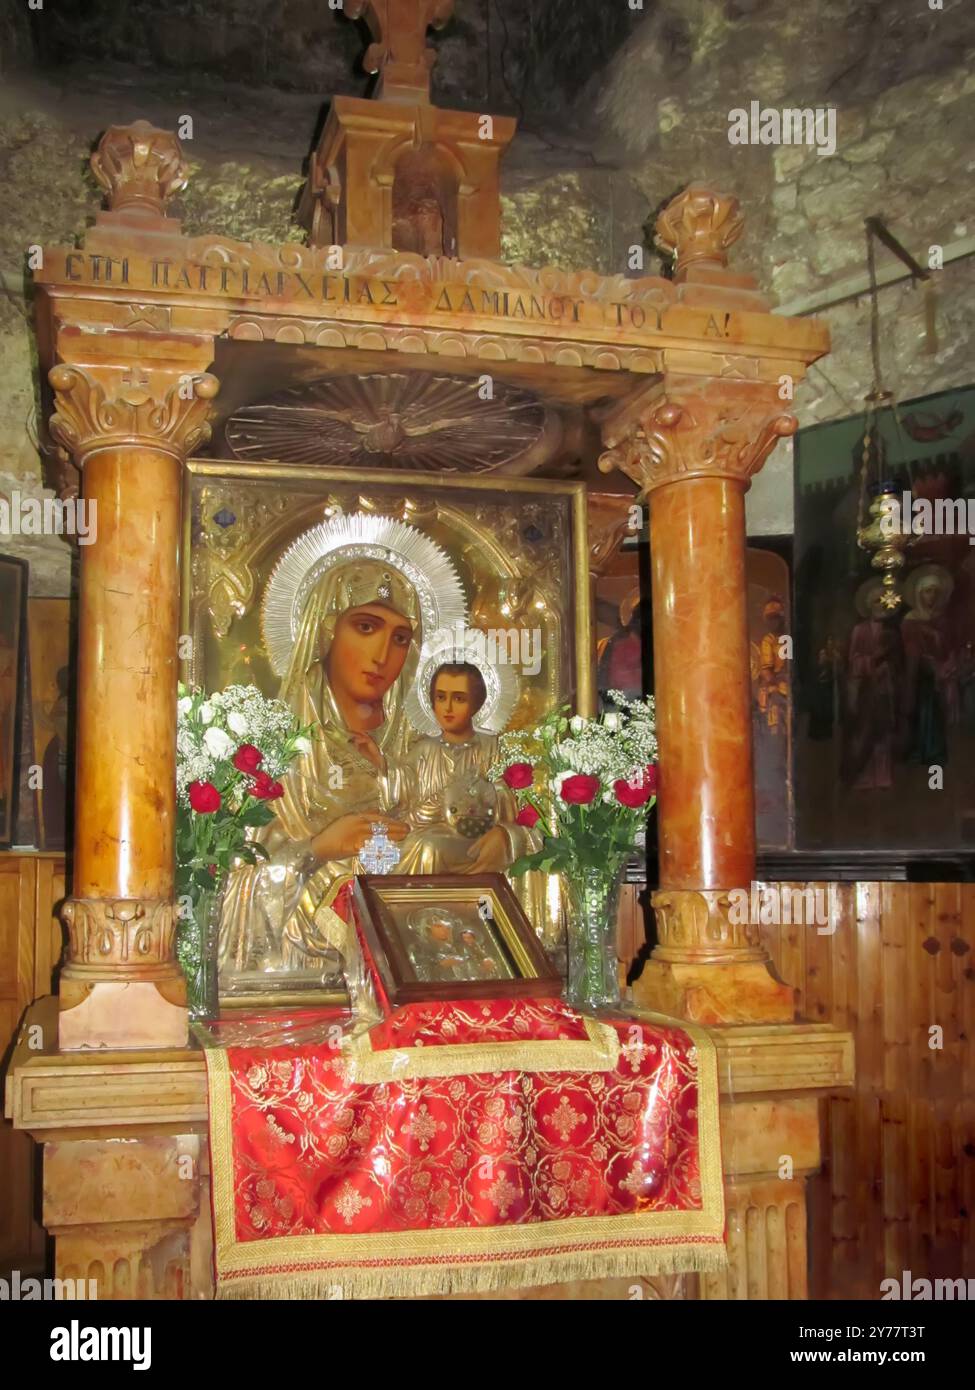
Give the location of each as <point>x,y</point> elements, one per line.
<point>458,1147</point>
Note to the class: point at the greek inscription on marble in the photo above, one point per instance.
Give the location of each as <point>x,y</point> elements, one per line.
<point>102,270</point>
<point>332,287</point>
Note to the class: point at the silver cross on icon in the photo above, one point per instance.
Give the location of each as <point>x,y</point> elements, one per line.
<point>379,855</point>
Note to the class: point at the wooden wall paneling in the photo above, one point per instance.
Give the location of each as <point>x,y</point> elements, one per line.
<point>18,1238</point>
<point>866,951</point>
<point>819,985</point>
<point>51,891</point>
<point>631,933</point>
<point>966,1080</point>
<point>837,1005</point>
<point>789,954</point>
<point>17,879</point>
<point>16,1176</point>
<point>895,953</point>
<point>920,1111</point>
<point>894,945</point>
<point>897,1189</point>
<point>31,885</point>
<point>946,1066</point>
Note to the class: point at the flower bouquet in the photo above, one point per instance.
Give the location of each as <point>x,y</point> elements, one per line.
<point>232,748</point>
<point>588,785</point>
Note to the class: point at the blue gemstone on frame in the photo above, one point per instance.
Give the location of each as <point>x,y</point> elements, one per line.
<point>224,517</point>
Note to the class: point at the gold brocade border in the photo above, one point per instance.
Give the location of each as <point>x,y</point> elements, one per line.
<point>473,1259</point>
<point>370,1066</point>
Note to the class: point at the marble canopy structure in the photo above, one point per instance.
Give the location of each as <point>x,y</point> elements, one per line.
<point>687,380</point>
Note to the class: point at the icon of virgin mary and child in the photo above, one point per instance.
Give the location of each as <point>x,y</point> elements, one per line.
<point>353,618</point>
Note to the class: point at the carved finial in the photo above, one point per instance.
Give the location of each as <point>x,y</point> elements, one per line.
<point>139,167</point>
<point>700,225</point>
<point>400,52</point>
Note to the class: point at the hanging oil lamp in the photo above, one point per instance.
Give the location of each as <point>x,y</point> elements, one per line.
<point>882,530</point>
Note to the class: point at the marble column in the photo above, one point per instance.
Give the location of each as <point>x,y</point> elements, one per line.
<point>692,442</point>
<point>131,399</point>
<point>128,428</point>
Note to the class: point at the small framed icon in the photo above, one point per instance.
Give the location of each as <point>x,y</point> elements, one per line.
<point>456,936</point>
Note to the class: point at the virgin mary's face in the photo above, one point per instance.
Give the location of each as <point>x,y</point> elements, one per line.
<point>368,650</point>
<point>928,595</point>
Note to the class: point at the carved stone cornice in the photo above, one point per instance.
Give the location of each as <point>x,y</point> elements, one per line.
<point>696,927</point>
<point>110,408</point>
<point>120,939</point>
<point>695,427</point>
<point>140,168</point>
<point>699,226</point>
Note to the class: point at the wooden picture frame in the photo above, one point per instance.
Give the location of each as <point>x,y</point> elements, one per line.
<point>881,700</point>
<point>391,908</point>
<point>13,638</point>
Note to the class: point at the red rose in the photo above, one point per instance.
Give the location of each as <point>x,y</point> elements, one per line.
<point>265,789</point>
<point>248,758</point>
<point>579,790</point>
<point>527,816</point>
<point>634,793</point>
<point>518,776</point>
<point>204,797</point>
<point>637,789</point>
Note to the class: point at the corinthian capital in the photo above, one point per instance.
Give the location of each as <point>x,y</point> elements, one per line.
<point>113,407</point>
<point>139,167</point>
<point>695,427</point>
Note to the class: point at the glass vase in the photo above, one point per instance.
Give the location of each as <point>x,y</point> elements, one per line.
<point>594,981</point>
<point>196,950</point>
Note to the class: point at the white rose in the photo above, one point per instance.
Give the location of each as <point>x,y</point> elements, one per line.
<point>206,712</point>
<point>219,744</point>
<point>577,723</point>
<point>302,744</point>
<point>237,723</point>
<point>611,721</point>
<point>184,705</point>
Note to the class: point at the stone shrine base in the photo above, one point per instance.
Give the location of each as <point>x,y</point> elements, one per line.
<point>135,1216</point>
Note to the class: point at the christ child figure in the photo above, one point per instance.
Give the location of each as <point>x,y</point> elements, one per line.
<point>464,824</point>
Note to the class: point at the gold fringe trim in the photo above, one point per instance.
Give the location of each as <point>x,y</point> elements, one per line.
<point>370,1067</point>
<point>410,1282</point>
